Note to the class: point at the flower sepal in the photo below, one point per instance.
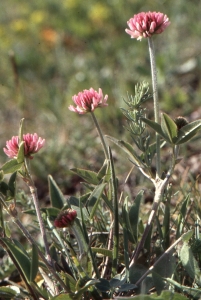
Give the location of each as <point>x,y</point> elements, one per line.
<point>20,155</point>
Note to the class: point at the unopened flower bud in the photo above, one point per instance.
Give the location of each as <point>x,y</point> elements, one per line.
<point>65,218</point>
<point>180,122</point>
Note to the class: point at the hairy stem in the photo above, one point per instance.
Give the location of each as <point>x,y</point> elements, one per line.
<point>100,135</point>
<point>160,186</point>
<point>34,195</point>
<point>156,102</point>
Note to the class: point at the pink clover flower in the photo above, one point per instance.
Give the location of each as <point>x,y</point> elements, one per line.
<point>32,144</point>
<point>145,24</point>
<point>88,100</point>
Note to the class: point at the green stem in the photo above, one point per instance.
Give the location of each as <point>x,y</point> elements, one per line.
<point>156,102</point>
<point>100,135</point>
<point>115,218</point>
<point>160,186</point>
<point>34,195</point>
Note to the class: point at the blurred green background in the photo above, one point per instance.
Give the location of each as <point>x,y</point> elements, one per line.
<point>52,49</point>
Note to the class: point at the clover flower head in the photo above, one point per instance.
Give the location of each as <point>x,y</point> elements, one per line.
<point>65,218</point>
<point>145,24</point>
<point>32,144</point>
<point>88,100</point>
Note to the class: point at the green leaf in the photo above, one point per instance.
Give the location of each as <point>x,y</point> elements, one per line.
<point>103,285</point>
<point>34,263</point>
<point>20,154</point>
<point>7,229</point>
<point>188,131</point>
<point>128,148</point>
<point>85,288</point>
<point>126,287</point>
<point>40,290</point>
<point>4,188</point>
<point>189,290</point>
<point>74,203</point>
<point>64,297</point>
<point>114,198</point>
<point>11,166</point>
<point>190,264</point>
<point>94,198</point>
<point>149,153</point>
<point>20,256</point>
<point>84,211</point>
<point>163,269</point>
<point>51,212</point>
<point>169,128</point>
<point>126,232</point>
<point>103,173</point>
<point>12,184</point>
<point>89,176</point>
<point>102,251</point>
<point>134,214</point>
<point>85,241</point>
<point>156,127</point>
<point>19,245</point>
<point>117,281</point>
<point>181,217</point>
<point>136,272</point>
<point>85,198</point>
<point>187,235</point>
<point>69,281</point>
<point>165,295</point>
<point>56,196</point>
<point>1,175</point>
<point>7,293</point>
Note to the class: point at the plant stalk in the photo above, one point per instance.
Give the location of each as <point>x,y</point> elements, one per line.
<point>115,217</point>
<point>160,186</point>
<point>156,102</point>
<point>34,195</point>
<point>100,135</point>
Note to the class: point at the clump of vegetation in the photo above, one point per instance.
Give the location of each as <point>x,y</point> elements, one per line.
<point>101,244</point>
